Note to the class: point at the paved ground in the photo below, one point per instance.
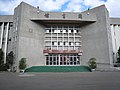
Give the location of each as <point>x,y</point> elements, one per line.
<point>60,81</point>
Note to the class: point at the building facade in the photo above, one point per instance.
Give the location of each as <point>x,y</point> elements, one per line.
<point>6,24</point>
<point>115,32</point>
<point>57,38</point>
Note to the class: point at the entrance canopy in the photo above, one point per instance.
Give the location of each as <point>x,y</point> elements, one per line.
<point>62,21</point>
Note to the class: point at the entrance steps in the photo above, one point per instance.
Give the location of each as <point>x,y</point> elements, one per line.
<point>58,69</point>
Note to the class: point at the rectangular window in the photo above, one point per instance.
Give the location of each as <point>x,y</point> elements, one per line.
<point>54,60</point>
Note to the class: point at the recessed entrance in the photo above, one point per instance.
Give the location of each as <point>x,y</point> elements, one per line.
<point>63,59</point>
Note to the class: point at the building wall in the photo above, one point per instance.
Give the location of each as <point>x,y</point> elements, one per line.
<point>28,34</point>
<point>30,37</point>
<point>95,37</point>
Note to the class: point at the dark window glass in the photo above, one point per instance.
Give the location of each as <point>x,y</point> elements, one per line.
<point>74,63</point>
<point>77,31</point>
<point>50,63</point>
<point>69,43</point>
<point>64,43</point>
<point>72,31</point>
<point>54,63</point>
<point>58,43</point>
<point>47,58</point>
<point>71,63</point>
<point>47,63</point>
<point>52,43</point>
<point>53,30</point>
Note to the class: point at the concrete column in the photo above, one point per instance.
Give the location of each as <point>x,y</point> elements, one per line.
<point>57,37</point>
<point>116,31</point>
<point>6,37</point>
<point>116,47</point>
<point>59,59</point>
<point>51,38</point>
<point>73,39</point>
<point>68,39</point>
<point>113,42</point>
<point>1,39</point>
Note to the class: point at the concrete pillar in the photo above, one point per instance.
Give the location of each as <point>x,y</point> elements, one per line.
<point>6,39</point>
<point>1,39</point>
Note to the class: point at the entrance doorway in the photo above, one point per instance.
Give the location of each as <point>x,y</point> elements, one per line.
<point>63,59</point>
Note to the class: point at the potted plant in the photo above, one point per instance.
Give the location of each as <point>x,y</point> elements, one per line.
<point>22,64</point>
<point>92,63</point>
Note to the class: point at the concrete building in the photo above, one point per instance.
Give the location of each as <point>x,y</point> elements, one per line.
<point>58,38</point>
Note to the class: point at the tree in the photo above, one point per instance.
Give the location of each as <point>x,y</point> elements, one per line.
<point>10,59</point>
<point>22,63</point>
<point>1,60</point>
<point>92,63</point>
<point>1,57</point>
<point>118,59</point>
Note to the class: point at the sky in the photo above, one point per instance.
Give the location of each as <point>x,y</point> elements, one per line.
<point>113,6</point>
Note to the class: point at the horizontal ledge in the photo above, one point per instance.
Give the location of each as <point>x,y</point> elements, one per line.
<point>62,51</point>
<point>63,21</point>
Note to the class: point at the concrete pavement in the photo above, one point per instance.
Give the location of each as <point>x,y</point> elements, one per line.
<point>60,81</point>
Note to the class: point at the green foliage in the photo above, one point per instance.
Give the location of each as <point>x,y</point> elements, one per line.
<point>22,63</point>
<point>2,66</point>
<point>10,59</point>
<point>118,59</point>
<point>1,57</point>
<point>92,63</point>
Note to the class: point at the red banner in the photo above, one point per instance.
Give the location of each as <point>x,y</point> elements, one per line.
<point>62,51</point>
